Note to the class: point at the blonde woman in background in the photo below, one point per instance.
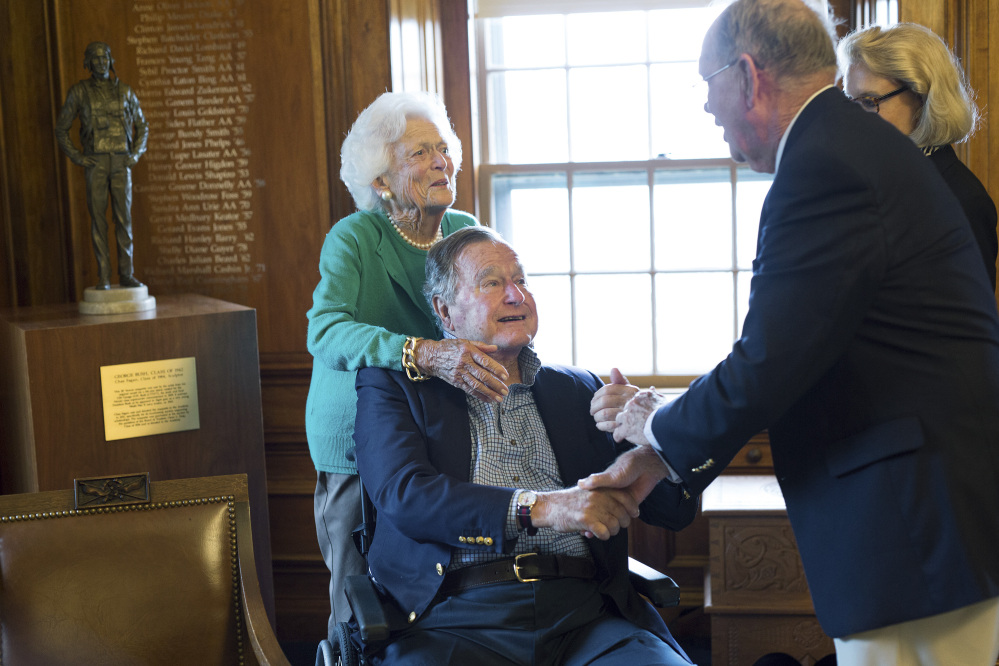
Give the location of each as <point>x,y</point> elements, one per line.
<point>906,74</point>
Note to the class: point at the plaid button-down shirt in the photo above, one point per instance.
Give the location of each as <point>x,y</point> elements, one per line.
<point>510,448</point>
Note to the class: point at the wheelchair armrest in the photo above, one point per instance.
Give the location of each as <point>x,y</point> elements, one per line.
<point>367,607</point>
<point>659,588</point>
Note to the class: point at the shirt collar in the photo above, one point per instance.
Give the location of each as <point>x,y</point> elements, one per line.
<point>783,139</point>
<point>528,360</point>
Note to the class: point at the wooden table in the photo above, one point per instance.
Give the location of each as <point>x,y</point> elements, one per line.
<point>755,589</point>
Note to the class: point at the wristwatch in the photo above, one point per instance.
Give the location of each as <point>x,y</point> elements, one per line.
<point>525,502</point>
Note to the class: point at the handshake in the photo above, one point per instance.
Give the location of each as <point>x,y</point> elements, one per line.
<point>602,504</point>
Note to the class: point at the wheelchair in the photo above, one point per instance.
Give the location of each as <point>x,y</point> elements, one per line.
<point>376,620</point>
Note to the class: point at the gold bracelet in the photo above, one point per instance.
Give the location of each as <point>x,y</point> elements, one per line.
<point>409,362</point>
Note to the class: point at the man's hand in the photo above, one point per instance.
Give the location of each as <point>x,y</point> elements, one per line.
<point>637,471</point>
<point>610,399</point>
<point>631,420</point>
<point>601,513</point>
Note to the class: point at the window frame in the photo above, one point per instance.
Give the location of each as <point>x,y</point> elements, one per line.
<point>486,170</point>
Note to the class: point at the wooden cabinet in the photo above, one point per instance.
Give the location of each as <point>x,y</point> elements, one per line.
<point>755,591</point>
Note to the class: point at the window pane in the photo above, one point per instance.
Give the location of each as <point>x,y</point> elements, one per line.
<point>527,115</point>
<point>609,113</point>
<point>553,299</point>
<point>677,34</point>
<point>532,214</point>
<point>605,340</point>
<point>693,220</point>
<point>610,218</point>
<point>680,127</point>
<point>750,191</point>
<point>505,39</point>
<point>694,321</point>
<point>606,38</point>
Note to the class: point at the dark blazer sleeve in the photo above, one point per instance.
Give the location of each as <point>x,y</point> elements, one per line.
<point>423,491</point>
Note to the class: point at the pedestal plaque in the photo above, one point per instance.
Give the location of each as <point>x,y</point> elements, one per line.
<point>52,426</point>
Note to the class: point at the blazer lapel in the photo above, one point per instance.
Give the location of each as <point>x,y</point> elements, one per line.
<point>567,432</point>
<point>449,431</point>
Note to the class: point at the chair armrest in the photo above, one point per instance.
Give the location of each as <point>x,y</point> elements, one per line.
<point>263,641</point>
<point>367,606</point>
<point>657,587</point>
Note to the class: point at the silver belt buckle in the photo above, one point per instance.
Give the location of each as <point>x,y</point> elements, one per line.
<point>516,568</point>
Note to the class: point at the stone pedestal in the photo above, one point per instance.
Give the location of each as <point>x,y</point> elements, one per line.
<point>116,300</point>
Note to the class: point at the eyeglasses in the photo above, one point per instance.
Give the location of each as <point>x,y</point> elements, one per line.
<point>871,103</point>
<point>718,71</point>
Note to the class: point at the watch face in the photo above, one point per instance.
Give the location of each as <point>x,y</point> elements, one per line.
<point>527,498</point>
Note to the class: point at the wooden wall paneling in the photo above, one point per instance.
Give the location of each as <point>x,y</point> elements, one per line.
<point>459,96</point>
<point>301,578</point>
<point>990,97</point>
<point>32,232</point>
<point>357,68</point>
<point>352,48</point>
<point>931,14</point>
<point>8,293</point>
<point>415,43</point>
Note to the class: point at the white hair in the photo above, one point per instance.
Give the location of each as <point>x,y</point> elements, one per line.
<point>367,149</point>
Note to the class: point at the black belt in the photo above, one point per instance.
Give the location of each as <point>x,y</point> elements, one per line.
<point>525,568</point>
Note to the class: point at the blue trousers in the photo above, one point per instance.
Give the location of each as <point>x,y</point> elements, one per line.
<point>565,621</point>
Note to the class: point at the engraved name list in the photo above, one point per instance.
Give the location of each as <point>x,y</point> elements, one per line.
<point>198,185</point>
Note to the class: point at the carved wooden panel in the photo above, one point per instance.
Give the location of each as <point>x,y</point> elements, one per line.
<point>755,566</point>
<point>738,640</point>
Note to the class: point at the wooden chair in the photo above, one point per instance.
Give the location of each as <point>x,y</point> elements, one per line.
<point>124,571</point>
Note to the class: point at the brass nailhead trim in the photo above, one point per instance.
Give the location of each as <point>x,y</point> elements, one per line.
<point>234,558</point>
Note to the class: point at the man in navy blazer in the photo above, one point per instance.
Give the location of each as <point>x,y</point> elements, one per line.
<point>461,510</point>
<point>870,350</point>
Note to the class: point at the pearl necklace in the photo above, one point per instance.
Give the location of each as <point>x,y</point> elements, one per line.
<point>419,246</point>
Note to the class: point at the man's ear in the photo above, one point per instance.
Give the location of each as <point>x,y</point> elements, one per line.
<point>749,75</point>
<point>443,313</point>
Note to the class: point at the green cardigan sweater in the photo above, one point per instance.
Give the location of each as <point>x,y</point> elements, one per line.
<point>369,298</point>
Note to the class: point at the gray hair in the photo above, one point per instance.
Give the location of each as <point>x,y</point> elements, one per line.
<point>442,261</point>
<point>366,153</point>
<point>916,57</point>
<point>788,37</point>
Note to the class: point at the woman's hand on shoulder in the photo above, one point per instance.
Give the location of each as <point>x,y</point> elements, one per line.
<point>464,364</point>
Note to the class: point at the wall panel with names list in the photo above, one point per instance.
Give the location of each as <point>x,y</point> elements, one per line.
<point>230,199</point>
<point>193,83</point>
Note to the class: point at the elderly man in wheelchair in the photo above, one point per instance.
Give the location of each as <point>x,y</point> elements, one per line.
<point>486,551</point>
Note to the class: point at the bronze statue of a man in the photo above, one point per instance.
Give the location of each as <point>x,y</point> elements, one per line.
<point>113,132</point>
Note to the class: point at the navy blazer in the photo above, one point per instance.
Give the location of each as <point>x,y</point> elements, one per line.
<point>871,351</point>
<point>414,448</point>
<point>976,202</point>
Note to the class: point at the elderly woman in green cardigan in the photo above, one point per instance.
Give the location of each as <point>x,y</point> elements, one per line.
<point>399,162</point>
